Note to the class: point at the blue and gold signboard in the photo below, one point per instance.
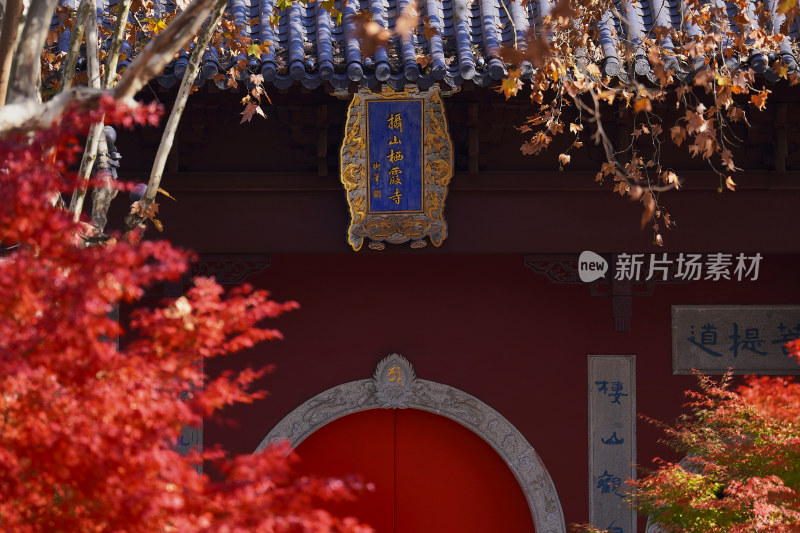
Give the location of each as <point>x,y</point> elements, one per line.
<point>396,164</point>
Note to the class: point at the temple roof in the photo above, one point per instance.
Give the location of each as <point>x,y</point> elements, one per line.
<point>309,49</point>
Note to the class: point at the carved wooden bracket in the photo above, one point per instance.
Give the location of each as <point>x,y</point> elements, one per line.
<point>564,269</point>
<point>230,269</point>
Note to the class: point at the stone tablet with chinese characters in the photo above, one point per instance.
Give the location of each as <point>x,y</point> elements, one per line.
<point>750,339</point>
<point>612,441</point>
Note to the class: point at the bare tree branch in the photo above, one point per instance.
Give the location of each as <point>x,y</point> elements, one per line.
<point>75,38</point>
<point>31,114</point>
<point>8,41</point>
<point>168,136</point>
<point>123,8</point>
<point>25,79</point>
<point>90,152</point>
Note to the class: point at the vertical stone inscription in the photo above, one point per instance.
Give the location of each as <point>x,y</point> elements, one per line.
<point>612,440</point>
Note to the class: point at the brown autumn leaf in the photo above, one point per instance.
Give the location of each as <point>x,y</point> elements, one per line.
<point>232,83</point>
<point>561,11</point>
<point>165,193</point>
<point>407,21</point>
<point>670,178</point>
<point>695,123</point>
<point>736,114</point>
<point>427,30</point>
<point>785,5</point>
<point>649,208</point>
<point>538,142</point>
<point>727,159</point>
<point>678,134</point>
<point>608,168</point>
<point>511,55</point>
<point>250,109</point>
<point>511,84</point>
<point>564,159</point>
<point>730,184</point>
<point>371,34</point>
<point>760,100</point>
<point>423,60</point>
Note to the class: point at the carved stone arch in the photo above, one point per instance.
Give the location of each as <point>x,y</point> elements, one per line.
<point>395,386</point>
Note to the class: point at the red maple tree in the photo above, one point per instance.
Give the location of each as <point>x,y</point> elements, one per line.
<point>87,428</point>
<point>742,466</point>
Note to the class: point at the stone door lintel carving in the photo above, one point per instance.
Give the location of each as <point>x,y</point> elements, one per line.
<point>394,385</point>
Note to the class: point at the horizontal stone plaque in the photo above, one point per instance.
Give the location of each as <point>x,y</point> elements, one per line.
<point>750,339</point>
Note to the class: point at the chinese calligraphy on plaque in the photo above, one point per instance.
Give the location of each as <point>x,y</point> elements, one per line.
<point>612,440</point>
<point>394,129</point>
<point>749,338</point>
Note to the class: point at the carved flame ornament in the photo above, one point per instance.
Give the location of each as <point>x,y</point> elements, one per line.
<point>396,163</point>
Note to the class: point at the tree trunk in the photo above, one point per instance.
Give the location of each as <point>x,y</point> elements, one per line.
<point>168,136</point>
<point>8,41</point>
<point>103,195</point>
<point>123,8</point>
<point>90,153</point>
<point>24,81</point>
<point>75,38</point>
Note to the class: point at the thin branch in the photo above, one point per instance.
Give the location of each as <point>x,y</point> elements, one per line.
<point>8,41</point>
<point>601,137</point>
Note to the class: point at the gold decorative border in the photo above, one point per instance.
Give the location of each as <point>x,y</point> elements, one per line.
<point>437,165</point>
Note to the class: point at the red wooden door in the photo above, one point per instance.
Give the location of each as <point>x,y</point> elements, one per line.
<point>431,474</point>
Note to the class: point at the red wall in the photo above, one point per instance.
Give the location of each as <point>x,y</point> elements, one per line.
<point>484,324</point>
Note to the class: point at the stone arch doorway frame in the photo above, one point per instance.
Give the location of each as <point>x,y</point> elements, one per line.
<point>394,385</point>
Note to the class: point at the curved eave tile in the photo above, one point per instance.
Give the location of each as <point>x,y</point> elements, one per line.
<point>309,48</point>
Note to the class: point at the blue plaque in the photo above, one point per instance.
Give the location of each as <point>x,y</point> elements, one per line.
<point>394,132</point>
